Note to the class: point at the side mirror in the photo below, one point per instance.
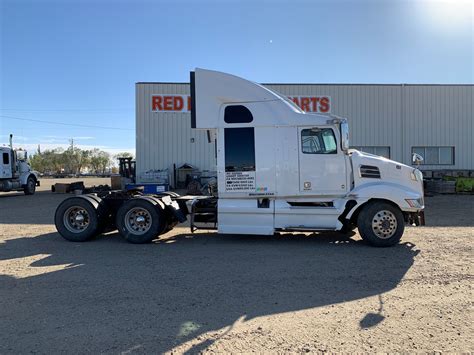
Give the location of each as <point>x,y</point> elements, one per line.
<point>417,159</point>
<point>344,136</point>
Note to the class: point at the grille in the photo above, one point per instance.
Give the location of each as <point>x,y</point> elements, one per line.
<point>368,171</point>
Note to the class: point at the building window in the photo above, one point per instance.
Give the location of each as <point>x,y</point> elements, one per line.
<point>318,141</point>
<point>375,150</point>
<point>6,158</point>
<point>239,149</point>
<point>435,155</point>
<point>237,114</point>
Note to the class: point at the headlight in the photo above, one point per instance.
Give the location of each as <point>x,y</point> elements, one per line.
<point>418,203</point>
<point>416,175</point>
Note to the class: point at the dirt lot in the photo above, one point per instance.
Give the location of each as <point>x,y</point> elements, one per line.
<point>233,293</point>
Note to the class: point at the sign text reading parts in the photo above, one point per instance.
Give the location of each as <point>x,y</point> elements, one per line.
<point>182,103</point>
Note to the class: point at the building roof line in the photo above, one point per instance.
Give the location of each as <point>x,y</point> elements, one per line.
<point>312,84</point>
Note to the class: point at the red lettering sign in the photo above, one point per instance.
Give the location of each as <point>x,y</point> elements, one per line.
<point>182,103</point>
<point>156,103</point>
<point>324,105</point>
<point>317,104</point>
<point>295,100</point>
<point>305,104</point>
<point>314,104</point>
<point>178,103</point>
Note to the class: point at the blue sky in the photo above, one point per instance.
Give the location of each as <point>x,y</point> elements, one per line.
<point>77,61</point>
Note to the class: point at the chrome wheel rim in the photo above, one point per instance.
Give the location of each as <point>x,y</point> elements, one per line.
<point>138,220</point>
<point>76,219</point>
<point>384,224</point>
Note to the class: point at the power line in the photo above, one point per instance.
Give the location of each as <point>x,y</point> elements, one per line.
<point>66,124</point>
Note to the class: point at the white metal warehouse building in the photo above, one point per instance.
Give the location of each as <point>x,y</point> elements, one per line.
<point>436,121</point>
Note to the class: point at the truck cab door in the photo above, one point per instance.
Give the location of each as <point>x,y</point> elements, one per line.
<point>322,164</point>
<point>5,165</point>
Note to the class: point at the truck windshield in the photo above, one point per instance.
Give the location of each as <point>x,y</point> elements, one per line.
<point>318,141</point>
<point>21,155</point>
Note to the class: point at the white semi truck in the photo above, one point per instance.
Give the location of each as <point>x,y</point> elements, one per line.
<point>15,172</point>
<point>279,170</point>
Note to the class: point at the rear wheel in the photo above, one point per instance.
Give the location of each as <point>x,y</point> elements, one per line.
<point>381,224</point>
<point>30,186</point>
<point>77,219</point>
<point>140,221</point>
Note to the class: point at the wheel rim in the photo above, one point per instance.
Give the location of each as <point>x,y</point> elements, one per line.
<point>138,220</point>
<point>384,224</point>
<point>31,185</point>
<point>76,219</point>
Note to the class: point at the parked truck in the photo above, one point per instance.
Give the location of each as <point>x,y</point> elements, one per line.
<point>279,170</point>
<point>15,172</point>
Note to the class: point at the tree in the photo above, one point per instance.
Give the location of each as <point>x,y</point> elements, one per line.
<point>37,162</point>
<point>123,155</point>
<point>99,161</point>
<point>94,160</point>
<point>105,161</point>
<point>72,160</point>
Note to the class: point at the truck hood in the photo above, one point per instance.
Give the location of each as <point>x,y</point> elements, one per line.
<point>366,166</point>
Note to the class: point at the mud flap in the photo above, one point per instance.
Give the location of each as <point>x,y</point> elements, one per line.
<point>173,207</point>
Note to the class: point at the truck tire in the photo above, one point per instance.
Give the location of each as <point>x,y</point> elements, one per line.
<point>381,224</point>
<point>106,218</point>
<point>140,221</point>
<point>30,186</point>
<point>77,219</point>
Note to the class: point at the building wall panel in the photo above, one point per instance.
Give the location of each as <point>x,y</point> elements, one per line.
<point>398,116</point>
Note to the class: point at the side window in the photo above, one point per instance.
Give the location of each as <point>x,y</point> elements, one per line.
<point>237,114</point>
<point>239,145</point>
<point>6,158</point>
<point>318,141</point>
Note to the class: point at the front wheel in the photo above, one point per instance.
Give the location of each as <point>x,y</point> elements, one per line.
<point>30,186</point>
<point>381,224</point>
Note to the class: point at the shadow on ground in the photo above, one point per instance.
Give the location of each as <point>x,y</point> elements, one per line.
<point>116,297</point>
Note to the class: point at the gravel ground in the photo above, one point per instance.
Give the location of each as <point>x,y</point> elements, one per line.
<point>203,292</point>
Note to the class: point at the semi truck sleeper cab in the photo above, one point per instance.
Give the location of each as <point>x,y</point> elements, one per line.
<point>279,169</point>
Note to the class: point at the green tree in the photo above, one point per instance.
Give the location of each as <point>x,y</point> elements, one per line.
<point>123,155</point>
<point>37,162</point>
<point>72,160</point>
<point>100,161</point>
